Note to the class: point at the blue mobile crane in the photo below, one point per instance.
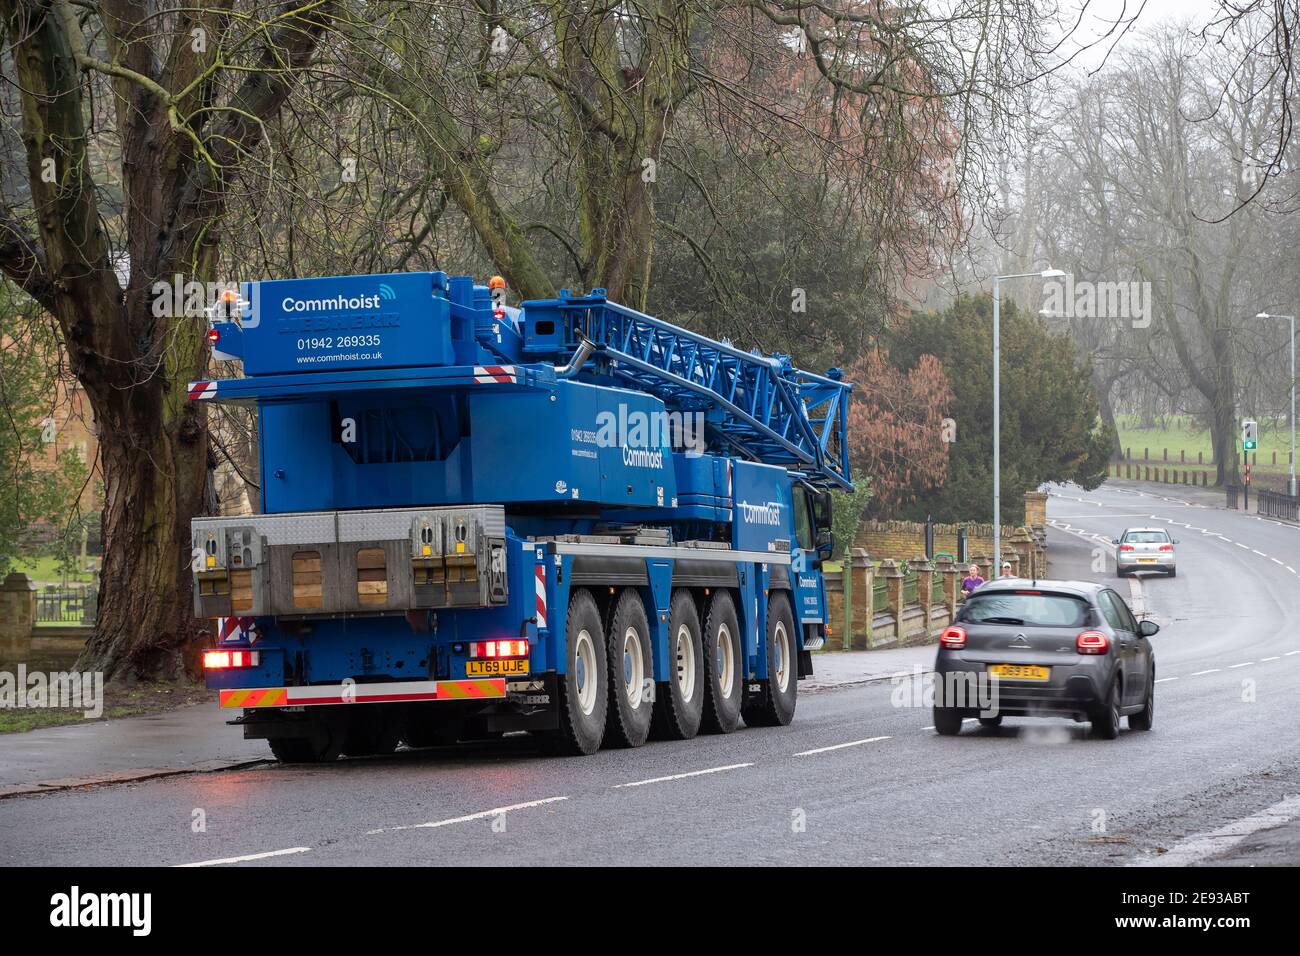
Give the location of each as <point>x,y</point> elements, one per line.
<point>567,517</point>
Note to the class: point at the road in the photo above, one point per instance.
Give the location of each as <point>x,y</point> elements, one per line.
<point>858,778</point>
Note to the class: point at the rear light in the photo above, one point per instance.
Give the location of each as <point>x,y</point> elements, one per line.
<point>515,648</point>
<point>953,637</point>
<point>221,660</point>
<point>1166,547</point>
<point>1126,547</point>
<point>214,336</point>
<point>1092,642</point>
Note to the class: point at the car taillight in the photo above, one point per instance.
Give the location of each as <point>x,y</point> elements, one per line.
<point>953,637</point>
<point>1166,547</point>
<point>1126,547</point>
<point>498,649</point>
<point>219,660</point>
<point>1092,642</point>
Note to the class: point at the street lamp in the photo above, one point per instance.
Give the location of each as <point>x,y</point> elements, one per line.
<point>997,404</point>
<point>1290,482</point>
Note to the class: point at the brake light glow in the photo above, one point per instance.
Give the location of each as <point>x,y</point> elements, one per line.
<point>1092,642</point>
<point>516,648</point>
<point>221,660</point>
<point>1166,547</point>
<point>214,336</point>
<point>1126,547</point>
<point>953,637</point>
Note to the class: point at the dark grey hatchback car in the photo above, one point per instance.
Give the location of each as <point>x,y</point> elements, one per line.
<point>1020,648</point>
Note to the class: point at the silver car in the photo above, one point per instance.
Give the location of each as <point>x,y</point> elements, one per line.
<point>1145,549</point>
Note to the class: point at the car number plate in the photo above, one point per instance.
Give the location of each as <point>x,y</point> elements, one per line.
<point>495,668</point>
<point>1146,560</point>
<point>1019,671</point>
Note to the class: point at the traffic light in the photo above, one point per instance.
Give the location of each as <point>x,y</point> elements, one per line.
<point>1249,435</point>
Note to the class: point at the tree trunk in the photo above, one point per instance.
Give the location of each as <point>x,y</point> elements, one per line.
<point>153,448</point>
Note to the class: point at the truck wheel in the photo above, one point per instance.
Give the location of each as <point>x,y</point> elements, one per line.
<point>582,699</point>
<point>424,728</point>
<point>370,732</point>
<point>631,672</point>
<point>323,746</point>
<point>722,668</point>
<point>679,701</point>
<point>773,705</point>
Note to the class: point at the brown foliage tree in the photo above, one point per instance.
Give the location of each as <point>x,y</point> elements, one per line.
<point>896,428</point>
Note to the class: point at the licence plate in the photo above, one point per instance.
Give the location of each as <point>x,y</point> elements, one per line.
<point>495,668</point>
<point>1146,560</point>
<point>1019,671</point>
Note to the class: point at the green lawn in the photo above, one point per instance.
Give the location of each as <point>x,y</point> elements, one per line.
<point>46,569</point>
<point>1184,436</point>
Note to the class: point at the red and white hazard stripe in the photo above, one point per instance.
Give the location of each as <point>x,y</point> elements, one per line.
<point>202,391</point>
<point>388,692</point>
<point>486,374</point>
<point>541,595</point>
<point>235,629</point>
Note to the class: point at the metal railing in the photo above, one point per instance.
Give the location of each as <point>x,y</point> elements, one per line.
<point>1274,504</point>
<point>74,606</point>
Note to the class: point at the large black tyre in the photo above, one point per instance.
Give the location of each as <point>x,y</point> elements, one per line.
<point>947,721</point>
<point>371,731</point>
<point>583,700</point>
<point>773,704</point>
<point>424,727</point>
<point>679,700</point>
<point>1105,721</point>
<point>723,670</point>
<point>1145,717</point>
<point>631,673</point>
<point>323,745</point>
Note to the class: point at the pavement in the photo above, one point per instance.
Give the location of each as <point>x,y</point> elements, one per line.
<point>859,777</point>
<point>189,739</point>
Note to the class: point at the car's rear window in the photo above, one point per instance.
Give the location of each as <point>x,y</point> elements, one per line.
<point>1146,537</point>
<point>1012,607</point>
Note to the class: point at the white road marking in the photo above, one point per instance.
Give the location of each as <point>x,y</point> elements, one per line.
<point>1239,544</point>
<point>1260,553</point>
<point>1137,600</point>
<point>1242,664</point>
<point>1162,680</point>
<point>1212,670</point>
<point>682,776</point>
<point>469,817</point>
<point>1204,845</point>
<point>250,856</point>
<point>1275,657</point>
<point>851,743</point>
<point>1291,653</point>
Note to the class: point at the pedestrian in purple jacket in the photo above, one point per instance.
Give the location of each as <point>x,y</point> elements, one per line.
<point>971,581</point>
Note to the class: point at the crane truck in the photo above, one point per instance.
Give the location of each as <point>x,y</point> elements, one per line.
<point>565,517</point>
